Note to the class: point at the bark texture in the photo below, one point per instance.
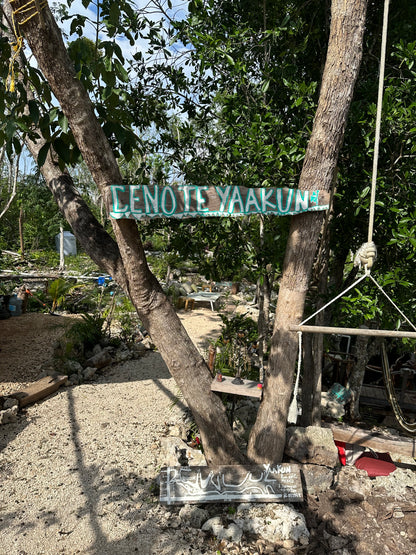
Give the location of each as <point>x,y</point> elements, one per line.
<point>129,264</point>
<point>267,439</point>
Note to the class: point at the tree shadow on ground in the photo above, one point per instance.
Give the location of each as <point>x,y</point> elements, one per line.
<point>115,505</point>
<point>8,432</point>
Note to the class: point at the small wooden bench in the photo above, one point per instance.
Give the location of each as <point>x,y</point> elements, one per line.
<point>202,296</point>
<point>247,389</point>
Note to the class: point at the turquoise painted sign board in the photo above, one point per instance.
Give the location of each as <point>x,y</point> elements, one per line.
<point>187,201</point>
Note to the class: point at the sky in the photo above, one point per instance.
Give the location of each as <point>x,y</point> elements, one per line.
<point>179,10</point>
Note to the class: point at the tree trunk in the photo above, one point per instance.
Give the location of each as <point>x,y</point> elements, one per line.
<point>21,233</point>
<point>362,352</point>
<point>313,343</point>
<point>11,182</point>
<point>157,314</point>
<point>267,439</point>
<point>61,250</point>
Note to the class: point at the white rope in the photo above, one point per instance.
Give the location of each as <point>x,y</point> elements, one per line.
<point>378,120</point>
<point>392,302</point>
<point>292,415</point>
<point>367,272</point>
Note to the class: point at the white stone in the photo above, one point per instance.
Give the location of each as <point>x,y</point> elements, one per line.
<point>273,522</point>
<point>97,349</point>
<point>9,416</point>
<point>10,402</point>
<point>232,532</point>
<point>73,367</point>
<point>172,449</point>
<point>311,445</point>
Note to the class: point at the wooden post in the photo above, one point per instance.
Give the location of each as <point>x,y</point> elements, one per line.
<point>61,250</point>
<point>354,331</point>
<point>21,233</point>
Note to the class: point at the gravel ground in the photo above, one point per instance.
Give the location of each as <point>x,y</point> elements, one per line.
<point>78,470</point>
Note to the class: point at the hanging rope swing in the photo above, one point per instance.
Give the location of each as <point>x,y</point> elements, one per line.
<point>364,258</point>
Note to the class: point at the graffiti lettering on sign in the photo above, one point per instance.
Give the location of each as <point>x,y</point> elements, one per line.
<point>187,201</point>
<point>278,483</point>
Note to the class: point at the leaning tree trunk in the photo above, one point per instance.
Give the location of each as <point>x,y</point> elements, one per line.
<point>157,314</point>
<point>267,439</point>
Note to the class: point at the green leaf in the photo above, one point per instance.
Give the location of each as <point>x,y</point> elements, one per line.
<point>43,152</point>
<point>62,149</point>
<point>265,86</point>
<point>63,122</point>
<point>34,111</point>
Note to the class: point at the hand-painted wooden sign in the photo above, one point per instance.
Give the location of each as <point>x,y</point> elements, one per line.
<point>186,201</point>
<point>202,484</point>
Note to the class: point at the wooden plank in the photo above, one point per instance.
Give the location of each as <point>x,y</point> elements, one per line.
<point>246,389</point>
<point>348,434</point>
<point>188,201</point>
<point>38,390</point>
<point>226,484</point>
<point>379,392</point>
<point>353,331</point>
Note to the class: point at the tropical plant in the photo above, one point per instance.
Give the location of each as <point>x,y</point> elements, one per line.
<point>58,291</point>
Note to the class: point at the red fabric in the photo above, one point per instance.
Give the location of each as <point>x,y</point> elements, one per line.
<point>341,451</point>
<point>381,466</point>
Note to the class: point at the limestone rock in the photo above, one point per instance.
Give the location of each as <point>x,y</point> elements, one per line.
<point>73,379</point>
<point>193,515</point>
<point>273,522</point>
<point>89,372</point>
<point>72,367</point>
<point>330,408</point>
<point>397,483</point>
<point>9,415</point>
<point>148,343</point>
<point>353,482</point>
<point>316,478</point>
<point>123,354</point>
<point>311,445</point>
<point>101,359</point>
<point>175,452</point>
<point>10,402</point>
<point>96,349</point>
<point>187,286</point>
<point>139,349</point>
<point>232,532</point>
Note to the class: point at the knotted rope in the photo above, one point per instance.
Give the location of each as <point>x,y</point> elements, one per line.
<point>31,9</point>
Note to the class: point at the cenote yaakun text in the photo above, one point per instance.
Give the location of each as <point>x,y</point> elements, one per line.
<point>189,201</point>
